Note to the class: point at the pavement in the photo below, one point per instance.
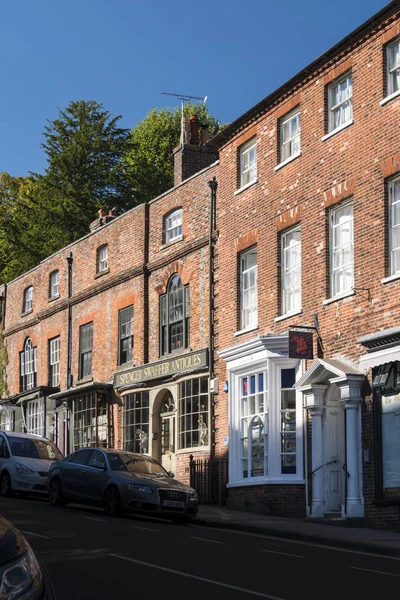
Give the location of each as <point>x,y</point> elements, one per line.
<point>345,536</point>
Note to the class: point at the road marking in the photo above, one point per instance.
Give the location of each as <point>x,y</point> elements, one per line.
<point>206,540</point>
<point>175,572</point>
<point>284,553</point>
<point>379,572</point>
<point>145,528</point>
<point>39,535</point>
<point>96,519</point>
<point>298,542</point>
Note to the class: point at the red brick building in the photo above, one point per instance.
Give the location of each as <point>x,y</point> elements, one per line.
<point>107,340</point>
<point>308,197</point>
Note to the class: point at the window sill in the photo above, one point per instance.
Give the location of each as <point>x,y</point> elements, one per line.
<point>265,481</point>
<point>390,278</point>
<point>26,313</point>
<point>52,298</point>
<point>193,450</point>
<point>245,187</point>
<point>389,98</point>
<point>172,242</point>
<point>287,161</point>
<point>101,273</point>
<point>247,330</point>
<point>337,130</point>
<point>125,366</point>
<point>84,380</point>
<point>288,315</point>
<point>339,297</point>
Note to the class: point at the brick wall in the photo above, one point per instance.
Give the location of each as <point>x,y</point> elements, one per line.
<point>278,500</point>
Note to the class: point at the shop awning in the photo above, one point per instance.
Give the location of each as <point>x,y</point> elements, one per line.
<point>79,390</point>
<point>380,357</point>
<point>37,392</point>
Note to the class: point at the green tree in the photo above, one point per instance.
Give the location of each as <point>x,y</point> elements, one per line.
<point>85,149</point>
<point>149,161</point>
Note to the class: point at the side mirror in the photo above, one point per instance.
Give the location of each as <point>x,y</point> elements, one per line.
<point>100,465</point>
<point>171,473</point>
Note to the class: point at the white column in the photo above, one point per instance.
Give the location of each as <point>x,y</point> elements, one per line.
<point>318,505</point>
<point>350,396</point>
<point>314,403</point>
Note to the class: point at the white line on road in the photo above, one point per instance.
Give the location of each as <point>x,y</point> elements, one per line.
<point>145,528</point>
<point>284,553</point>
<point>175,572</point>
<point>206,540</point>
<point>96,519</point>
<point>379,572</point>
<point>39,535</point>
<point>298,542</point>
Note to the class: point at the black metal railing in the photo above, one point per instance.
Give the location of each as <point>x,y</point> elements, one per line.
<point>209,476</point>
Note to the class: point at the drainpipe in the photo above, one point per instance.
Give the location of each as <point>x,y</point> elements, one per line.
<point>146,276</point>
<point>70,261</point>
<point>213,185</point>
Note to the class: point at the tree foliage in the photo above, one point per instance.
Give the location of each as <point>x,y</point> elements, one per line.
<point>149,161</point>
<point>85,148</point>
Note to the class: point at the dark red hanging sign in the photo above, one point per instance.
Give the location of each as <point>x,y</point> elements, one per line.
<point>300,344</point>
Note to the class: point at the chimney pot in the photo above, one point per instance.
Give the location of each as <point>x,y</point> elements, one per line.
<point>102,212</point>
<point>113,212</point>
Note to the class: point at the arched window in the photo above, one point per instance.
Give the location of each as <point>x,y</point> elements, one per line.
<point>54,284</point>
<point>27,304</point>
<point>27,360</point>
<point>174,316</point>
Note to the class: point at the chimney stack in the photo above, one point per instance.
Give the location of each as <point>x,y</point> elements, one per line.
<point>105,216</point>
<point>194,155</point>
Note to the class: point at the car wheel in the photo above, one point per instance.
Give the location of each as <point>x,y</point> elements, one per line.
<point>55,493</point>
<point>5,485</point>
<point>112,502</point>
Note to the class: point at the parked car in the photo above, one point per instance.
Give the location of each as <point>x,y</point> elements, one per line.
<point>120,482</point>
<point>25,462</point>
<point>22,574</point>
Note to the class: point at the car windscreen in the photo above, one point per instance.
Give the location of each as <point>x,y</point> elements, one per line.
<point>141,465</point>
<point>28,448</point>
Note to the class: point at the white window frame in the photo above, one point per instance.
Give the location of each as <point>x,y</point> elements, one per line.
<point>271,367</point>
<point>288,290</point>
<point>290,142</point>
<point>392,70</point>
<point>55,284</point>
<point>173,226</point>
<point>334,250</point>
<point>393,184</point>
<point>28,297</point>
<point>35,417</point>
<point>334,107</point>
<point>102,258</point>
<point>54,361</point>
<point>248,312</point>
<point>248,164</point>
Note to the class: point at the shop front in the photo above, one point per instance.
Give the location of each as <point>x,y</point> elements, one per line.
<point>166,409</point>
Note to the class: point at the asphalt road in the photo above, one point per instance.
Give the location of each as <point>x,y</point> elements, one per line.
<point>90,556</point>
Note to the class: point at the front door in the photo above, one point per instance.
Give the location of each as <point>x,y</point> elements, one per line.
<point>334,458</point>
<point>168,432</point>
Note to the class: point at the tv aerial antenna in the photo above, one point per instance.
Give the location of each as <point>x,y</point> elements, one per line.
<point>184,98</point>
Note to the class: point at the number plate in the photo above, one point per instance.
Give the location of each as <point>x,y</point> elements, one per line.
<point>172,503</point>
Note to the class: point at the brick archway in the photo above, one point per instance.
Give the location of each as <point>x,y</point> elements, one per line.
<point>175,267</point>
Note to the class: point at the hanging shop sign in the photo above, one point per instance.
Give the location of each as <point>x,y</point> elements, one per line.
<point>300,344</point>
<point>163,368</point>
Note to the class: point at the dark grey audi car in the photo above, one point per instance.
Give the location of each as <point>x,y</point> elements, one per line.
<point>120,482</point>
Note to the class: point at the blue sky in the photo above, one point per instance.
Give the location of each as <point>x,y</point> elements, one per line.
<point>123,53</point>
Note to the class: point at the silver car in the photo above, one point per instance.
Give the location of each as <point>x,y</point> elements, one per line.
<point>25,462</point>
<point>120,482</point>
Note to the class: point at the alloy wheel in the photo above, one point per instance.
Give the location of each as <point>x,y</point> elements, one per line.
<point>5,485</point>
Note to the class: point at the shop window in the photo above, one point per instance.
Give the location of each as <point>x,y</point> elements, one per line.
<point>174,317</point>
<point>193,413</point>
<point>35,417</point>
<point>135,422</point>
<point>389,396</point>
<point>90,421</point>
<point>125,335</point>
<point>28,367</point>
